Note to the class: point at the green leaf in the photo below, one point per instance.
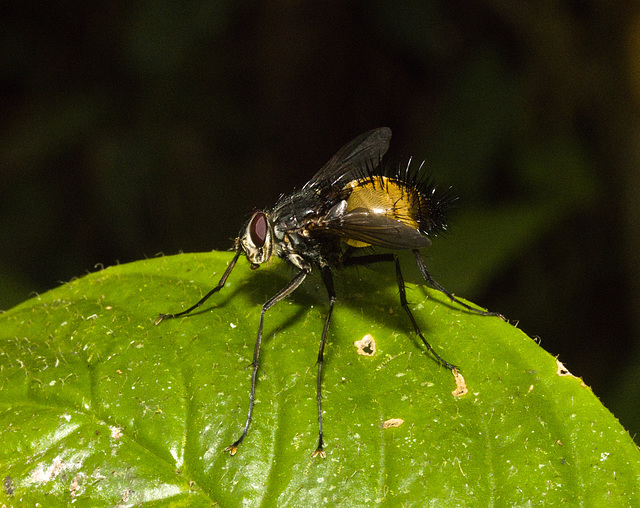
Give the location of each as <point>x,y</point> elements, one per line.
<point>100,407</point>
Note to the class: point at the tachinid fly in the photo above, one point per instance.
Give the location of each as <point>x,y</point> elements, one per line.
<point>354,201</point>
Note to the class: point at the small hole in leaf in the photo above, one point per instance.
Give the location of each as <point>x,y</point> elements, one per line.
<point>366,346</point>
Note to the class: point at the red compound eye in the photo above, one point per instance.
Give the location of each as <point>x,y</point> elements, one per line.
<point>258,229</point>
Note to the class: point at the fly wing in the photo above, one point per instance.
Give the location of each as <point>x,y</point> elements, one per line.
<point>370,228</point>
<point>366,149</point>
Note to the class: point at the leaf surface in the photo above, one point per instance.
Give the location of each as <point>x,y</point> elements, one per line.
<point>100,407</point>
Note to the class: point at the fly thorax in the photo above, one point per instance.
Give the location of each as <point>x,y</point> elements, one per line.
<point>278,232</point>
<point>257,239</point>
<point>294,242</point>
<point>337,210</point>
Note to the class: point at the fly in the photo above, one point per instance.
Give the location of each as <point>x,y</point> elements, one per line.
<point>353,202</point>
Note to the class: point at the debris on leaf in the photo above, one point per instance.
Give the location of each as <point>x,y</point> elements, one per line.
<point>392,422</point>
<point>461,386</point>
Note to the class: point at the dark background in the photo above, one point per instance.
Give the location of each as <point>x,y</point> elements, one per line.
<point>133,128</point>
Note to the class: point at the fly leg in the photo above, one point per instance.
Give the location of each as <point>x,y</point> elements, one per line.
<point>434,284</point>
<point>220,285</point>
<point>283,293</point>
<point>375,258</point>
<point>327,277</point>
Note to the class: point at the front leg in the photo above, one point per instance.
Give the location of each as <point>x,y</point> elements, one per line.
<point>283,293</point>
<point>220,285</point>
<point>327,277</point>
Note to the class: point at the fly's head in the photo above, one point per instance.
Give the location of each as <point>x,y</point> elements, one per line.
<point>257,239</point>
